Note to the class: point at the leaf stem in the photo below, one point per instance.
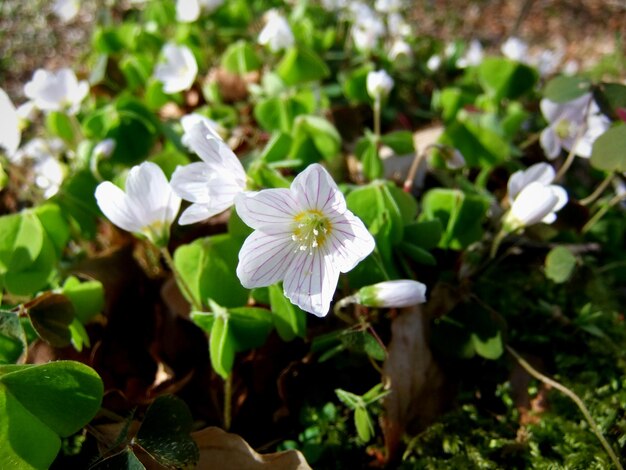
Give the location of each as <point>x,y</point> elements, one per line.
<point>575,398</point>
<point>228,399</point>
<point>598,215</point>
<point>598,191</point>
<point>182,284</point>
<point>377,116</point>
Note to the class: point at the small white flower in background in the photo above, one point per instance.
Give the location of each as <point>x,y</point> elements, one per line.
<point>66,10</point>
<point>388,6</point>
<point>570,67</point>
<point>397,26</point>
<point>39,149</point>
<point>10,133</point>
<point>188,11</point>
<point>400,49</point>
<point>533,198</point>
<point>367,27</point>
<point>515,49</point>
<point>56,91</point>
<point>277,33</point>
<point>49,175</point>
<point>27,112</point>
<point>212,184</point>
<point>304,236</point>
<point>393,294</point>
<point>178,68</point>
<point>473,55</point>
<point>434,63</point>
<point>147,207</point>
<point>379,84</point>
<point>104,148</point>
<point>189,121</point>
<point>334,5</point>
<point>576,123</point>
<point>547,61</point>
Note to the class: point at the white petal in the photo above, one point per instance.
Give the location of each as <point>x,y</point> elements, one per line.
<point>213,151</point>
<point>191,182</point>
<point>311,281</point>
<point>148,188</point>
<point>267,207</point>
<point>265,257</point>
<point>10,134</point>
<point>114,205</point>
<point>196,213</point>
<point>349,242</point>
<point>540,172</point>
<point>561,196</point>
<point>550,143</point>
<point>533,203</point>
<point>315,189</point>
<point>187,11</point>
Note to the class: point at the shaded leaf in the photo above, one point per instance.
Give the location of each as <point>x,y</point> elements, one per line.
<point>51,315</point>
<point>560,264</point>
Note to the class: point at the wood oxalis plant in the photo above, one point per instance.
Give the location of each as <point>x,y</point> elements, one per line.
<point>346,244</point>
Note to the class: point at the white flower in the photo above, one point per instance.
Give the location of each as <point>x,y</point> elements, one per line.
<point>547,61</point>
<point>188,121</point>
<point>66,10</point>
<point>473,55</point>
<point>379,84</point>
<point>533,198</point>
<point>188,11</point>
<point>10,134</point>
<point>39,149</point>
<point>104,148</point>
<point>212,184</point>
<point>434,63</point>
<point>515,49</point>
<point>367,27</point>
<point>276,34</point>
<point>394,294</point>
<point>388,6</point>
<point>304,236</point>
<point>178,69</point>
<point>397,26</point>
<point>147,207</point>
<point>400,49</point>
<point>578,122</point>
<point>56,91</point>
<point>27,111</point>
<point>48,175</point>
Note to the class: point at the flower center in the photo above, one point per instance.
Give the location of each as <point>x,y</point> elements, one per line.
<point>311,228</point>
<point>564,128</point>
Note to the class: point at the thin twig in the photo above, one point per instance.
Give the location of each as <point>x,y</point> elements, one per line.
<point>598,215</point>
<point>575,398</point>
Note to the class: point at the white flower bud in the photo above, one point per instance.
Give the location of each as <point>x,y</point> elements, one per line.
<point>379,84</point>
<point>399,293</point>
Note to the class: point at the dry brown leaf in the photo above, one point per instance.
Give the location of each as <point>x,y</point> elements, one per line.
<point>222,450</point>
<point>415,380</point>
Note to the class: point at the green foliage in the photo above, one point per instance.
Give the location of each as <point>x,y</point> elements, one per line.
<point>560,264</point>
<point>40,404</point>
<point>608,154</point>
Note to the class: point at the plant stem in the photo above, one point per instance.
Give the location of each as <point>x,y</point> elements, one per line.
<point>575,398</point>
<point>179,279</point>
<point>377,116</point>
<point>228,398</point>
<point>598,215</point>
<point>568,162</point>
<point>496,243</point>
<point>598,191</point>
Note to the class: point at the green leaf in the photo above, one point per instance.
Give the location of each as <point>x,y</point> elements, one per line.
<point>354,84</point>
<point>564,88</point>
<point>78,203</point>
<point>249,327</point>
<point>503,78</point>
<point>221,347</point>
<point>240,58</point>
<point>277,148</point>
<point>12,338</point>
<point>35,277</point>
<point>610,97</point>
<point>86,297</point>
<point>55,225</point>
<point>401,142</point>
<point>351,400</point>
<point>425,234</point>
<point>608,150</point>
<point>165,433</point>
<point>51,315</point>
<point>60,125</point>
<point>289,320</point>
<point>39,403</point>
<point>460,214</point>
<point>79,335</point>
<point>314,138</point>
<point>21,241</point>
<point>208,266</point>
<point>363,342</point>
<point>278,113</point>
<point>372,164</point>
<point>301,65</point>
<point>363,423</point>
<point>417,254</point>
<point>451,100</point>
<point>560,263</point>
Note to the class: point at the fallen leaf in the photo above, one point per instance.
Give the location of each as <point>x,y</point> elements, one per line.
<point>416,383</point>
<point>222,450</point>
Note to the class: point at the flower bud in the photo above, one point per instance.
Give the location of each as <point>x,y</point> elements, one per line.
<point>399,293</point>
<point>379,84</point>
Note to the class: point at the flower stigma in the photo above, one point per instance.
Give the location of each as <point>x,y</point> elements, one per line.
<point>310,230</point>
